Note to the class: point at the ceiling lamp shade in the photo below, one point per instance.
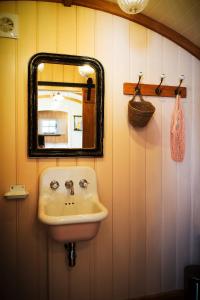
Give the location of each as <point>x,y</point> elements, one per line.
<point>132,6</point>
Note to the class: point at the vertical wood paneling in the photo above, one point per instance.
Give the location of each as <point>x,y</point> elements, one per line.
<point>138,58</point>
<point>66,44</point>
<point>26,168</point>
<point>103,242</point>
<point>169,174</point>
<point>183,184</point>
<point>195,150</point>
<point>153,202</point>
<point>85,266</point>
<point>85,46</point>
<point>8,52</point>
<point>85,31</point>
<point>47,42</point>
<point>8,243</point>
<point>153,172</point>
<point>66,32</point>
<point>121,193</point>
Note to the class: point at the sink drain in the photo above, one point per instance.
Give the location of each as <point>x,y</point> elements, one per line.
<point>71,253</point>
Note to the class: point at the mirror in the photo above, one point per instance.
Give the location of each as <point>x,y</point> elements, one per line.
<point>66,97</point>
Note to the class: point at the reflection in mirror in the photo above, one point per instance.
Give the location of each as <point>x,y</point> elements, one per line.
<point>65,106</point>
<point>61,106</point>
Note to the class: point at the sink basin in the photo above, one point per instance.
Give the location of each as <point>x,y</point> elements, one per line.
<point>70,214</point>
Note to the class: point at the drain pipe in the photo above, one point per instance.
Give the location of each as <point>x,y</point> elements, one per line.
<point>71,253</point>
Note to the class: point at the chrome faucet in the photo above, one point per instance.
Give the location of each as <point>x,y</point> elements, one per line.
<point>70,185</point>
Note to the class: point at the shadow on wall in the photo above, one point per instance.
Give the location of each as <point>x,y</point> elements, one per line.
<point>153,138</point>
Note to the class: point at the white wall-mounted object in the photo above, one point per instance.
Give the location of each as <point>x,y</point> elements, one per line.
<point>9,25</point>
<point>71,214</point>
<point>17,191</point>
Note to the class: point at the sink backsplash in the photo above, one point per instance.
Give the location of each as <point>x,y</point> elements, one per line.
<point>63,174</point>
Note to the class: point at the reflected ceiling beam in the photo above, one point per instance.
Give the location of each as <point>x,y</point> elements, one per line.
<point>73,100</point>
<point>47,97</point>
<point>141,19</point>
<point>77,91</point>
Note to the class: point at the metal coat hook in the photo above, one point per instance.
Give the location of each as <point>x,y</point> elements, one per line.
<point>137,88</point>
<point>158,90</point>
<point>177,90</point>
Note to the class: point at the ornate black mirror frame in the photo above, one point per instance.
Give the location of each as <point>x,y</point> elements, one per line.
<point>33,149</point>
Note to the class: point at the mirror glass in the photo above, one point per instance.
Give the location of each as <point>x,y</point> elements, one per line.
<point>65,106</point>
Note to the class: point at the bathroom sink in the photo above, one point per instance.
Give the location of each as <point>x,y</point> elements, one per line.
<point>69,203</point>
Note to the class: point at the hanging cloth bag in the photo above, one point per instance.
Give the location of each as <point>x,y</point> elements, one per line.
<point>177,132</point>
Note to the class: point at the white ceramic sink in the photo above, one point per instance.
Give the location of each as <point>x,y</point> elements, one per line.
<point>71,214</point>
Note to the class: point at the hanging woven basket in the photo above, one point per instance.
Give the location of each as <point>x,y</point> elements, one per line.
<point>139,112</point>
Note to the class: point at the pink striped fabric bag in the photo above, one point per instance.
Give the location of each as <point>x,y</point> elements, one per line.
<point>177,132</point>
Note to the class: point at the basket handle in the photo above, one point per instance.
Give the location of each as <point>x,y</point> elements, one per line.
<point>139,95</point>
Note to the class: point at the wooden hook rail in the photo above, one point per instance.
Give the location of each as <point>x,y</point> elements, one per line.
<point>150,90</point>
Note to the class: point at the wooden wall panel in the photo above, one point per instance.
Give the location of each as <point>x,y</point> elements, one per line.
<point>8,107</point>
<point>103,272</point>
<point>66,44</point>
<point>8,226</point>
<point>153,202</point>
<point>195,174</point>
<point>84,273</point>
<point>153,171</point>
<point>47,42</point>
<point>121,170</point>
<point>169,175</point>
<point>138,58</point>
<point>184,178</point>
<point>26,168</point>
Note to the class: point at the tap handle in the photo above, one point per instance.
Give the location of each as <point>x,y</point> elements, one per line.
<point>54,185</point>
<point>83,183</point>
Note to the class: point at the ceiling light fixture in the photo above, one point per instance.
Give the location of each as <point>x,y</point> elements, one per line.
<point>132,6</point>
<point>58,97</point>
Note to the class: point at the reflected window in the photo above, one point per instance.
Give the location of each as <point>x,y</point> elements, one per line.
<point>49,126</point>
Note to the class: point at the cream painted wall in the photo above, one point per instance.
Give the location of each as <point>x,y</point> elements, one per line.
<point>153,227</point>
